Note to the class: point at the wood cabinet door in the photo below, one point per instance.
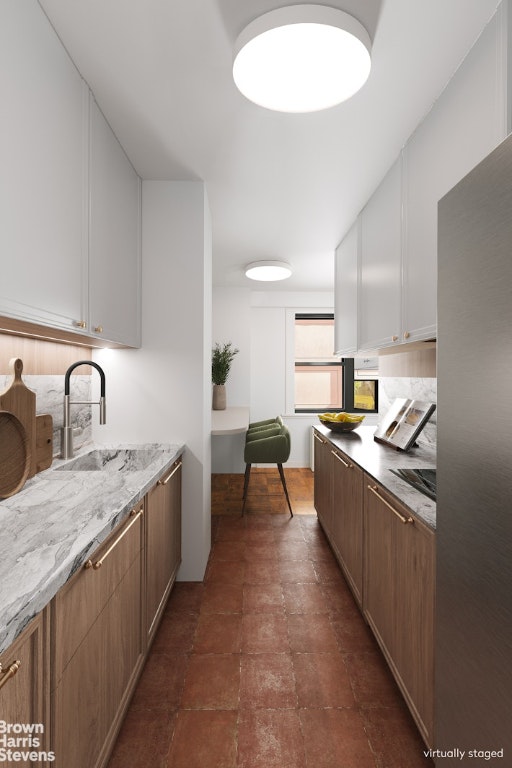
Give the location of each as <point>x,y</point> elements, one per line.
<point>163,543</point>
<point>95,682</point>
<point>347,501</point>
<point>24,682</point>
<point>322,486</point>
<point>379,569</point>
<point>414,640</point>
<point>114,239</point>
<point>399,595</point>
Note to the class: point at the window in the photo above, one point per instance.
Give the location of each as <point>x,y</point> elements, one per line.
<point>324,382</point>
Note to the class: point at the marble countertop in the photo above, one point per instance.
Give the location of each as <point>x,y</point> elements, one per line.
<point>378,460</point>
<point>49,529</point>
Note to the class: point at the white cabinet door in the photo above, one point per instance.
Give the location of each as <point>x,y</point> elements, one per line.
<point>380,295</point>
<point>465,124</point>
<point>43,152</point>
<point>114,238</point>
<point>346,288</point>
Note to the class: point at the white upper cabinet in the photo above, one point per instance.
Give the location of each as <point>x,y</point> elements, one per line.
<point>397,279</point>
<point>43,154</point>
<point>70,199</point>
<point>346,292</point>
<point>380,294</point>
<point>465,124</point>
<point>114,238</point>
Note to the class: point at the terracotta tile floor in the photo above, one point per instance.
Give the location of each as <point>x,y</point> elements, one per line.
<point>268,662</point>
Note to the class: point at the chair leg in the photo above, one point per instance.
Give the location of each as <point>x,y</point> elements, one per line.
<point>246,485</point>
<point>281,473</point>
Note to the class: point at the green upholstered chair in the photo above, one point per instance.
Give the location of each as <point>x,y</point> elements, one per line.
<point>267,442</point>
<point>263,424</point>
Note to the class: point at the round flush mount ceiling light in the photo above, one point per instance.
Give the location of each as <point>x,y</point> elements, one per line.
<point>268,271</point>
<point>302,58</point>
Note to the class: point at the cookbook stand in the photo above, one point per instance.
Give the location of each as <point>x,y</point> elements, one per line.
<point>403,423</point>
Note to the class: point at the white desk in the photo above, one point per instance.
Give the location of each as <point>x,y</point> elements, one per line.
<point>230,421</point>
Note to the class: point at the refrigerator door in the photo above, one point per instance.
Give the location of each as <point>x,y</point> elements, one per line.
<point>474,466</point>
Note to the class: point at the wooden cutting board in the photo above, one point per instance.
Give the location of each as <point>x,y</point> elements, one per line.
<point>15,459</point>
<point>44,442</point>
<point>21,401</point>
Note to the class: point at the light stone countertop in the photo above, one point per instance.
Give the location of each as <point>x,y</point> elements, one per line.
<point>50,528</point>
<point>378,460</point>
<point>230,421</point>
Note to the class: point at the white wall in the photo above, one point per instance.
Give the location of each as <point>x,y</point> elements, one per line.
<point>162,391</point>
<point>257,322</point>
<point>231,316</point>
<point>272,359</point>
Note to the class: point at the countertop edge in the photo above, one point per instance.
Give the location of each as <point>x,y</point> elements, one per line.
<point>18,610</point>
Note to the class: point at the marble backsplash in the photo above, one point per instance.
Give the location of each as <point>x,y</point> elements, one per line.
<point>416,389</point>
<point>50,399</point>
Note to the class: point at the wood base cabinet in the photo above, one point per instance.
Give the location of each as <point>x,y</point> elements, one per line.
<point>24,688</point>
<point>322,487</point>
<point>163,544</point>
<point>338,493</point>
<point>98,647</point>
<point>72,671</point>
<point>347,534</point>
<point>399,590</point>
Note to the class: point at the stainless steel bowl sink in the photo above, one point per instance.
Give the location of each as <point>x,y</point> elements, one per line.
<point>112,460</point>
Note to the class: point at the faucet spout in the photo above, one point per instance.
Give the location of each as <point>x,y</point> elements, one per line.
<point>67,430</point>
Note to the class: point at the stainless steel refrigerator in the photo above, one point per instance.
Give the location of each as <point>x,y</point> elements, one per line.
<point>474,468</point>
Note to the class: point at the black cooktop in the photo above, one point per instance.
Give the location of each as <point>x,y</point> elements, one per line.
<point>423,480</point>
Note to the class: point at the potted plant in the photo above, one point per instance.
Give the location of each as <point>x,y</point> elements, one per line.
<point>222,357</point>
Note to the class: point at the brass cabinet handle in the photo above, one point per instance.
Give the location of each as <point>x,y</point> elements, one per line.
<point>134,517</point>
<point>164,482</point>
<point>9,672</point>
<point>80,324</point>
<point>98,329</point>
<point>317,437</point>
<point>336,455</point>
<point>405,520</point>
<point>394,338</point>
<point>406,334</point>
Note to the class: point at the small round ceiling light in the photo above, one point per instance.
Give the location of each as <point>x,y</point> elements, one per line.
<point>302,58</point>
<point>268,271</point>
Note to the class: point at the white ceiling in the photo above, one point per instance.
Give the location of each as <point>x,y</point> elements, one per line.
<point>280,186</point>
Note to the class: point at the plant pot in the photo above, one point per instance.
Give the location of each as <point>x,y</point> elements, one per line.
<point>219,397</point>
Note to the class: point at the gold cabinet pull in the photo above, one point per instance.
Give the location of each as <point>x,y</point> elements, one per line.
<point>317,437</point>
<point>406,334</point>
<point>402,518</point>
<point>134,517</point>
<point>337,456</point>
<point>9,672</point>
<point>80,324</point>
<point>394,338</point>
<point>98,329</point>
<point>164,482</point>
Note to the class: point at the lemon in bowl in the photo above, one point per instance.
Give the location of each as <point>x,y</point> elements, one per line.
<point>342,421</point>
